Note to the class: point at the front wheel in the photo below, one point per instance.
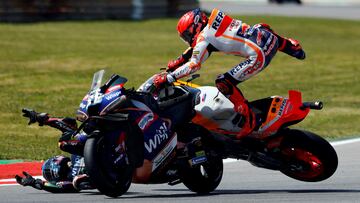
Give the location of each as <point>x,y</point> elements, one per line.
<point>307,156</point>
<point>109,179</point>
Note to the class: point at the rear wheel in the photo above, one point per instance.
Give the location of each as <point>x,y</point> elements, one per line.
<point>109,179</point>
<point>308,157</point>
<point>205,177</point>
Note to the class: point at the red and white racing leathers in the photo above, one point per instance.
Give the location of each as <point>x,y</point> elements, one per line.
<point>224,34</point>
<point>258,44</point>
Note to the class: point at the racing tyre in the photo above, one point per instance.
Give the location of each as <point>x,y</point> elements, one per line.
<point>308,157</point>
<point>204,178</point>
<point>110,180</point>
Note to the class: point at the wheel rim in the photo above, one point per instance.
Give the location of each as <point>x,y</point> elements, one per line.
<point>303,163</point>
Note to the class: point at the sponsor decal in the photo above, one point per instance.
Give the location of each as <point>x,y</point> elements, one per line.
<point>259,37</point>
<point>282,107</point>
<point>78,163</point>
<point>243,28</point>
<point>234,24</point>
<point>217,21</point>
<point>251,70</point>
<point>184,71</point>
<point>240,66</point>
<point>120,148</point>
<point>160,136</point>
<point>195,55</point>
<point>268,42</point>
<point>271,47</point>
<point>145,120</point>
<point>198,160</point>
<point>161,157</point>
<point>112,95</point>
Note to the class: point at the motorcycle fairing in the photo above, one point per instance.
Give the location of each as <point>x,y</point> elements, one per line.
<point>159,139</point>
<point>81,113</point>
<point>103,97</point>
<point>156,136</point>
<point>283,111</point>
<point>215,111</point>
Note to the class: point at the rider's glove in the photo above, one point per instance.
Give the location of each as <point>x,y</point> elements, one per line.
<point>162,78</point>
<point>174,64</point>
<point>34,117</point>
<point>82,182</point>
<point>28,180</point>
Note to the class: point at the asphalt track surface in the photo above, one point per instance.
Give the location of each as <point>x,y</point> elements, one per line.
<point>241,182</point>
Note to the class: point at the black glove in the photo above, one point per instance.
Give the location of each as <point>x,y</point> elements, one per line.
<point>28,180</point>
<point>34,117</point>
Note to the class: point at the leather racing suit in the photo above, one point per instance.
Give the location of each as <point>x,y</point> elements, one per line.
<point>258,44</point>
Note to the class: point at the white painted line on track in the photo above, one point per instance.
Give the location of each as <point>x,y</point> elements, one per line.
<point>335,143</point>
<point>347,141</point>
<point>12,181</point>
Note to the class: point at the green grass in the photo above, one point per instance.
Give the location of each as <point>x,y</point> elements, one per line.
<point>49,67</point>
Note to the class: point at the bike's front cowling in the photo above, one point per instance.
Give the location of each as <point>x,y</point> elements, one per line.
<point>108,161</point>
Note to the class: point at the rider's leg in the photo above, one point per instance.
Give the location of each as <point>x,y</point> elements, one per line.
<point>227,86</point>
<point>289,46</point>
<point>263,46</point>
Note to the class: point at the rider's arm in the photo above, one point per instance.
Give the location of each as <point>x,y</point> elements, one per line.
<point>183,58</point>
<point>59,187</point>
<point>62,124</point>
<point>66,125</point>
<point>200,53</point>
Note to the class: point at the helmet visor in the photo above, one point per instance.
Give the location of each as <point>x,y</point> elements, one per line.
<point>187,36</point>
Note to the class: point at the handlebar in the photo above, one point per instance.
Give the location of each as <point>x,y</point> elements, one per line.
<point>317,105</point>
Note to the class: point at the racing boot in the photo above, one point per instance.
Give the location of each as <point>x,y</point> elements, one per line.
<point>247,121</point>
<point>291,47</point>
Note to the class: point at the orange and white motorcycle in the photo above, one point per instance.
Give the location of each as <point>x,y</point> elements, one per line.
<point>299,154</point>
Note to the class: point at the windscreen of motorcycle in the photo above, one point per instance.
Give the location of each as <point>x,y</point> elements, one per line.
<point>103,102</point>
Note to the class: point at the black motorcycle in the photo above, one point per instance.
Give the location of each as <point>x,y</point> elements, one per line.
<point>134,137</point>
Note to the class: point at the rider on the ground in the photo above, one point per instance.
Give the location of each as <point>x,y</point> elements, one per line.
<point>61,173</point>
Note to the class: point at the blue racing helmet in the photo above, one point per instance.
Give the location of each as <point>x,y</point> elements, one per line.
<point>56,169</point>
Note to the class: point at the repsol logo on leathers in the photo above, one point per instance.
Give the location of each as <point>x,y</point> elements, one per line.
<point>217,20</point>
<point>161,135</point>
